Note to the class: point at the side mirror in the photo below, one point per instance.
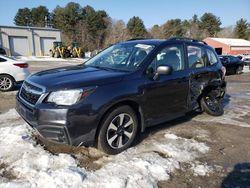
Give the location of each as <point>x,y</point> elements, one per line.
<point>162,70</point>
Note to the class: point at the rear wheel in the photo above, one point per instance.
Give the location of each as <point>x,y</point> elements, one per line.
<point>118,130</point>
<point>6,83</point>
<point>239,70</point>
<point>212,104</point>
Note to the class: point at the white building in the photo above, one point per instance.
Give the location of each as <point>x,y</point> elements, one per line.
<point>28,41</point>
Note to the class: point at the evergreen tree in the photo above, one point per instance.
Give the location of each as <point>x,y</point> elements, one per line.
<point>23,17</point>
<point>242,28</point>
<point>39,16</point>
<point>136,28</point>
<point>173,27</point>
<point>210,24</point>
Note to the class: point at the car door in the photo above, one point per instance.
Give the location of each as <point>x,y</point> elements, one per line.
<point>199,72</point>
<point>166,97</point>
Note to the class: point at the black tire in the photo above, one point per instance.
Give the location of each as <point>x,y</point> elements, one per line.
<point>212,105</point>
<point>51,54</point>
<point>6,83</point>
<point>238,70</point>
<point>110,140</point>
<point>57,54</point>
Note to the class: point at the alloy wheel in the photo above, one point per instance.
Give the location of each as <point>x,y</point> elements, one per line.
<point>120,131</point>
<point>5,83</point>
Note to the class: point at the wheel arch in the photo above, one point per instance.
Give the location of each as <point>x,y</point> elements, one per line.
<point>2,74</point>
<point>131,103</point>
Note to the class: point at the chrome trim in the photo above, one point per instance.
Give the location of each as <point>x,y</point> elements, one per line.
<point>42,94</point>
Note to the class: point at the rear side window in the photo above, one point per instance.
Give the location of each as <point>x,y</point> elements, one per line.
<point>196,57</point>
<point>211,57</point>
<point>2,60</point>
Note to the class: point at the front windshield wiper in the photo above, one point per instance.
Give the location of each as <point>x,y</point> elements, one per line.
<point>108,68</point>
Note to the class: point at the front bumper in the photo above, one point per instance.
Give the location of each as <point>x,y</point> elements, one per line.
<point>60,125</point>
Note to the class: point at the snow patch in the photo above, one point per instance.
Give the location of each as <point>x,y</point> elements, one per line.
<point>201,169</point>
<point>48,58</point>
<point>6,119</point>
<point>141,166</point>
<point>34,166</point>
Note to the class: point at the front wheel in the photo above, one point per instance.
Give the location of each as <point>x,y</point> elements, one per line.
<point>118,130</point>
<point>212,105</point>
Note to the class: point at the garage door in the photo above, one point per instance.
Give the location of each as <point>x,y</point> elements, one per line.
<point>19,46</point>
<point>46,45</point>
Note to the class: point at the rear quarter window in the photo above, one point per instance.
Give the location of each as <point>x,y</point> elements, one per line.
<point>2,60</point>
<point>212,58</point>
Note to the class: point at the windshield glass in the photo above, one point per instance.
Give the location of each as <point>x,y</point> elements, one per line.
<point>124,57</point>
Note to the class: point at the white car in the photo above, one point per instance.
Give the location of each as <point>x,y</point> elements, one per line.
<point>12,72</point>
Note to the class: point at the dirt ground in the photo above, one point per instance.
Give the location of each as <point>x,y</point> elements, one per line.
<point>229,154</point>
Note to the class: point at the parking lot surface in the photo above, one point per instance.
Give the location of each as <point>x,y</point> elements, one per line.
<point>194,151</point>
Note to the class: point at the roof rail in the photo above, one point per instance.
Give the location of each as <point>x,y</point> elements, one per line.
<point>137,39</point>
<point>187,39</point>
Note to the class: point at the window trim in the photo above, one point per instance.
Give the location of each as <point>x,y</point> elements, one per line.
<point>198,46</point>
<point>216,56</point>
<point>181,45</point>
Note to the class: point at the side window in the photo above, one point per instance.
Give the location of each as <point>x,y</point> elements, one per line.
<point>171,56</point>
<point>211,57</point>
<point>196,57</point>
<point>2,60</point>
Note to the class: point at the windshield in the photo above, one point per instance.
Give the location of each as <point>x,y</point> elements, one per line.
<point>124,57</point>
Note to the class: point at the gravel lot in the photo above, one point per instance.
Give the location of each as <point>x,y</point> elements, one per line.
<point>227,161</point>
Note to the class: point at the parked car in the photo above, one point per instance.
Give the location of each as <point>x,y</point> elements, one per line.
<point>12,72</point>
<point>121,91</point>
<point>233,64</point>
<point>2,51</point>
<point>246,60</point>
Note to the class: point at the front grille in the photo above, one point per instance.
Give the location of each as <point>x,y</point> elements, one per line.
<point>30,93</point>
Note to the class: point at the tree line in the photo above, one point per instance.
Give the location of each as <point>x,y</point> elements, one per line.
<point>95,29</point>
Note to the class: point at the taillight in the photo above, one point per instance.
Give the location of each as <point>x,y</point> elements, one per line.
<point>223,70</point>
<point>22,65</point>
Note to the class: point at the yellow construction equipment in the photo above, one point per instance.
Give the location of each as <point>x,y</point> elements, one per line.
<point>75,50</point>
<point>58,50</point>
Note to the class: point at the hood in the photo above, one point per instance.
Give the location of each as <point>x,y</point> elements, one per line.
<point>75,77</point>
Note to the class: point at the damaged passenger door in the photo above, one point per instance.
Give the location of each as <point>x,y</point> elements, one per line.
<point>199,73</point>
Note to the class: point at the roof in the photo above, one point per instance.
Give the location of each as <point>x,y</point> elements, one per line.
<point>232,41</point>
<point>27,27</point>
<point>146,41</point>
<point>157,42</point>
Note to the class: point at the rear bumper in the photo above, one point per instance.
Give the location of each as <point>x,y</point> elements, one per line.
<point>22,75</point>
<point>59,125</point>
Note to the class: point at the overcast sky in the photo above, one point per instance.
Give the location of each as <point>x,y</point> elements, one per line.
<point>151,11</point>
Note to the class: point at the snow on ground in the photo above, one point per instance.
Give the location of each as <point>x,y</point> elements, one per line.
<point>234,113</point>
<point>201,169</point>
<point>48,59</point>
<point>246,69</point>
<point>141,166</point>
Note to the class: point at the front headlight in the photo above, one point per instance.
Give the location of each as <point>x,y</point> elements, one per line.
<point>65,97</point>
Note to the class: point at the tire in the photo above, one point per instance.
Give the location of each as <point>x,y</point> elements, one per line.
<point>6,83</point>
<point>56,55</point>
<point>51,54</point>
<point>212,105</point>
<point>238,70</point>
<point>118,130</point>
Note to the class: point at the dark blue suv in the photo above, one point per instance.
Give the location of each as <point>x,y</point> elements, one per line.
<point>127,87</point>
